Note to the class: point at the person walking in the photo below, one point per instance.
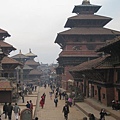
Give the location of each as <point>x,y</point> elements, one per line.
<point>10,108</point>
<point>50,95</point>
<point>31,106</point>
<point>65,111</point>
<point>102,114</point>
<point>56,101</point>
<point>16,110</point>
<point>70,101</point>
<point>28,105</point>
<point>42,101</point>
<point>5,110</point>
<point>44,97</point>
<point>60,94</point>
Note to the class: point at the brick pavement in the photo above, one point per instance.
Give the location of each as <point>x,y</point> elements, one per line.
<point>50,112</point>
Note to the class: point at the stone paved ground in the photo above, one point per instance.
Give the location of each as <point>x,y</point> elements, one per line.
<point>50,112</point>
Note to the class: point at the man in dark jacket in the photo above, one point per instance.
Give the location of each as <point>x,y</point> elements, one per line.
<point>5,109</point>
<point>66,111</point>
<point>10,108</point>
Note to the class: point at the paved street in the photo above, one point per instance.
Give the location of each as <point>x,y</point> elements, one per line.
<point>50,112</point>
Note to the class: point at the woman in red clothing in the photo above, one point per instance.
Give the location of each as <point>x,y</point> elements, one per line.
<point>42,101</point>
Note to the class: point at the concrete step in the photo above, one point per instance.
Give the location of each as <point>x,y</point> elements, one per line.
<point>98,106</point>
<point>86,109</point>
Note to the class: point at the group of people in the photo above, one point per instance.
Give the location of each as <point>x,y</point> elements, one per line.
<point>68,103</point>
<point>29,105</point>
<point>8,108</point>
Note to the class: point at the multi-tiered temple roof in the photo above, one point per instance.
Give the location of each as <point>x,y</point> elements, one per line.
<point>87,33</point>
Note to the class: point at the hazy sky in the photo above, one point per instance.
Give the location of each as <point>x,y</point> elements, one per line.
<point>35,23</point>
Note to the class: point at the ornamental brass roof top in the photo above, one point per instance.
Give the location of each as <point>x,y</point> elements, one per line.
<point>20,56</point>
<point>30,54</point>
<point>86,2</point>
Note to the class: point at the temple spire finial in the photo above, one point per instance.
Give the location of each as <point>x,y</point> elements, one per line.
<point>20,52</point>
<point>86,2</point>
<point>29,50</point>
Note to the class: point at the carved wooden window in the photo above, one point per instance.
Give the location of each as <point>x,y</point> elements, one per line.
<point>91,47</point>
<point>91,40</point>
<point>118,77</point>
<point>95,92</point>
<point>78,47</point>
<point>103,96</point>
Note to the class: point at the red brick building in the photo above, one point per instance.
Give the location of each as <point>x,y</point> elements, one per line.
<point>86,34</point>
<point>99,79</point>
<point>7,67</point>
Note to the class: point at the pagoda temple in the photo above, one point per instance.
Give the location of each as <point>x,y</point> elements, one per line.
<point>86,33</point>
<point>29,71</point>
<point>7,67</point>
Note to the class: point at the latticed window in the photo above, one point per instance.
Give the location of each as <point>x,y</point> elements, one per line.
<point>78,47</point>
<point>118,76</point>
<point>91,47</point>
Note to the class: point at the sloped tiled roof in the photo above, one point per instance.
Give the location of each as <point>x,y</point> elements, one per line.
<point>89,31</point>
<point>86,31</point>
<point>20,56</point>
<point>31,62</point>
<point>5,85</point>
<point>88,16</point>
<point>89,65</point>
<point>110,43</point>
<point>9,60</point>
<point>35,72</point>
<point>6,45</point>
<point>26,67</point>
<point>86,19</point>
<point>4,32</point>
<point>78,53</point>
